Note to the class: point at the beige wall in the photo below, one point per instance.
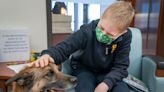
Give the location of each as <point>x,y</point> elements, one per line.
<point>26,13</point>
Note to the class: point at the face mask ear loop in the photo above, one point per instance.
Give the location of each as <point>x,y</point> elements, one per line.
<point>119,35</point>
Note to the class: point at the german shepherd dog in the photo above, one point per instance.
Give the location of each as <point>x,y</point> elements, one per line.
<point>46,79</point>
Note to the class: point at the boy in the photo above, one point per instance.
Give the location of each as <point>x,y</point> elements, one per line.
<point>101,49</point>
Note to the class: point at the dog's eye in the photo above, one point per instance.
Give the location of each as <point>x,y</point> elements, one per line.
<point>50,73</point>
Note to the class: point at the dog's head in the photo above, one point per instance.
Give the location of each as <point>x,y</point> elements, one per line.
<point>47,79</point>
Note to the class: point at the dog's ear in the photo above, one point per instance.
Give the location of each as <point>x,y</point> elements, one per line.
<point>21,79</point>
<point>55,67</point>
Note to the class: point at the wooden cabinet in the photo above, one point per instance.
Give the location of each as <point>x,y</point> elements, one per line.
<point>61,27</point>
<point>58,37</point>
<point>160,37</point>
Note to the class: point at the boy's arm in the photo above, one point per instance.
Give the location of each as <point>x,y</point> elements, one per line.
<point>62,50</point>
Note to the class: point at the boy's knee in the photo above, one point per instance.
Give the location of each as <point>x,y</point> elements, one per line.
<point>120,87</point>
<point>86,82</point>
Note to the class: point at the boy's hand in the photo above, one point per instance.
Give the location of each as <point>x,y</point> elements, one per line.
<point>102,87</point>
<point>42,61</point>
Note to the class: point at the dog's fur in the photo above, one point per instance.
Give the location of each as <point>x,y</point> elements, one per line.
<point>47,79</point>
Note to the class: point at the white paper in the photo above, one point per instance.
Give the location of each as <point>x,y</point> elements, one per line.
<point>14,44</point>
<point>17,68</point>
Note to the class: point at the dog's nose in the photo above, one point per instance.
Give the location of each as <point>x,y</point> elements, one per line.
<point>73,79</point>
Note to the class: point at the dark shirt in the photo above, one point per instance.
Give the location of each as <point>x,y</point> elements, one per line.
<point>97,57</point>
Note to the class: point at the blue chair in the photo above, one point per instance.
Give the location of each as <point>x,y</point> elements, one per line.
<point>142,67</point>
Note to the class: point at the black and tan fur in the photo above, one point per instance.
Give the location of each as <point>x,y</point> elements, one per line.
<point>47,79</point>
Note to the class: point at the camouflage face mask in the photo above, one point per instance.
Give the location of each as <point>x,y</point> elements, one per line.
<point>102,37</point>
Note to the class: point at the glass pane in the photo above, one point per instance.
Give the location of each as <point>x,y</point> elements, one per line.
<point>83,13</point>
<point>146,19</point>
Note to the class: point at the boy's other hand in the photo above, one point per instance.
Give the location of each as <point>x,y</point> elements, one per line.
<point>102,87</point>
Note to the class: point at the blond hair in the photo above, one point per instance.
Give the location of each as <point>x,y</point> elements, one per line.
<point>119,14</point>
